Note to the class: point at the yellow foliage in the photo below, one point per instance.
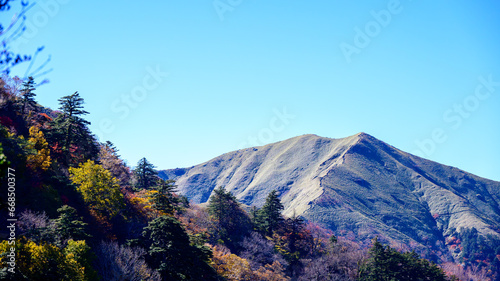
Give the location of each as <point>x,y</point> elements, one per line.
<point>230,266</point>
<point>235,268</point>
<point>271,272</point>
<point>40,159</point>
<point>142,202</point>
<point>99,189</point>
<point>43,261</point>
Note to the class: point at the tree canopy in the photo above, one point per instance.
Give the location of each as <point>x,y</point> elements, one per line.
<point>98,188</point>
<point>163,198</point>
<point>231,222</point>
<point>269,215</point>
<point>385,263</point>
<point>171,253</point>
<point>28,95</point>
<point>145,174</point>
<point>70,133</point>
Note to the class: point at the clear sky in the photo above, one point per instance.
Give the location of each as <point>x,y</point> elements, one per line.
<point>180,82</point>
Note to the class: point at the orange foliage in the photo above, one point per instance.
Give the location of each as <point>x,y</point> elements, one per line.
<point>451,240</point>
<point>230,266</point>
<point>141,204</point>
<point>235,268</point>
<point>48,118</point>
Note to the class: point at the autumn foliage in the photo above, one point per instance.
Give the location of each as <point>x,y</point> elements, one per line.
<point>85,215</point>
<point>98,188</point>
<point>39,159</point>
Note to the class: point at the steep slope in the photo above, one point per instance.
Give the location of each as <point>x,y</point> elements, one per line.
<point>293,167</point>
<point>357,184</point>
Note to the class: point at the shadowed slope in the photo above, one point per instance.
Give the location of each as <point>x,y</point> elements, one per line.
<point>357,184</point>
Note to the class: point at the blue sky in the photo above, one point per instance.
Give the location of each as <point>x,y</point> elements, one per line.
<point>181,82</point>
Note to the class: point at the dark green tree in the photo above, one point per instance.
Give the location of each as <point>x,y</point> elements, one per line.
<point>231,221</point>
<point>171,253</point>
<point>164,199</point>
<point>145,174</point>
<point>387,264</point>
<point>270,214</point>
<point>70,132</point>
<point>256,219</point>
<point>72,108</point>
<point>68,225</point>
<point>28,95</point>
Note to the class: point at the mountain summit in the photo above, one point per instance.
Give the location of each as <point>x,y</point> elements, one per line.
<point>358,185</point>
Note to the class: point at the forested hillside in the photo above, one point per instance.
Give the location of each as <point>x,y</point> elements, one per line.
<point>75,211</point>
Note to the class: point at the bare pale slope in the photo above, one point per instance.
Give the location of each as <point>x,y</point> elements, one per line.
<point>358,184</point>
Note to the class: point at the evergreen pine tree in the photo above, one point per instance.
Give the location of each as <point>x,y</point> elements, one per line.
<point>172,254</point>
<point>68,225</point>
<point>28,96</point>
<point>270,214</point>
<point>72,108</point>
<point>256,219</point>
<point>70,132</point>
<point>386,263</point>
<point>164,199</point>
<point>231,221</point>
<point>145,174</point>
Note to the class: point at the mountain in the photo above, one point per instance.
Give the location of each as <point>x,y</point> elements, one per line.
<point>357,186</point>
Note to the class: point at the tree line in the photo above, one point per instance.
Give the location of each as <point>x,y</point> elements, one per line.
<point>85,215</point>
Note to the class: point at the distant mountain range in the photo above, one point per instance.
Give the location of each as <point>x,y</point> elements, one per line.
<point>357,186</point>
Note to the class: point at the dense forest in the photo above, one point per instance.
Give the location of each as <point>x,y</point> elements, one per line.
<point>76,211</point>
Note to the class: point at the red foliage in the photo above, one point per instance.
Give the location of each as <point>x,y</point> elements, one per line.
<point>56,148</point>
<point>64,199</point>
<point>451,240</point>
<point>6,121</point>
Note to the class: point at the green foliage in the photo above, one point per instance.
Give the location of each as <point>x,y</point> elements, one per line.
<point>480,251</point>
<point>72,108</point>
<point>172,254</point>
<point>28,96</point>
<point>269,217</point>
<point>231,221</point>
<point>255,219</point>
<point>13,148</point>
<point>333,240</point>
<point>68,225</point>
<point>80,254</point>
<point>145,174</point>
<point>387,264</point>
<point>163,199</point>
<point>99,189</point>
<point>70,133</point>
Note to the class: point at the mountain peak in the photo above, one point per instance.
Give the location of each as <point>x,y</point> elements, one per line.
<point>357,183</point>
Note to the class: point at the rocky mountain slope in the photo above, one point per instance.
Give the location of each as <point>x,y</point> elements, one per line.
<point>356,185</point>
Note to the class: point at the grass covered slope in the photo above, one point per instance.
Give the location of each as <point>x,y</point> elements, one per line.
<point>357,184</point>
